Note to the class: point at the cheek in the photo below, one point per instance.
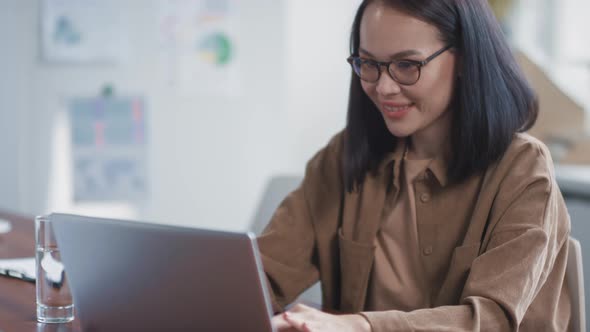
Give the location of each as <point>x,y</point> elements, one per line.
<point>434,95</point>
<point>369,89</point>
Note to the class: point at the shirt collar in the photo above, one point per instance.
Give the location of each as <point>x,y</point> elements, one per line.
<point>438,167</point>
<point>392,163</point>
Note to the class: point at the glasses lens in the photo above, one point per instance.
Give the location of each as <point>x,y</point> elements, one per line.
<point>366,70</point>
<point>405,72</point>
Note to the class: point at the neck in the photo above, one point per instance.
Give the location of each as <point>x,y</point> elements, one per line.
<point>432,142</point>
<point>425,148</point>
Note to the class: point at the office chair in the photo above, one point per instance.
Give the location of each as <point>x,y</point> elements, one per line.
<point>575,278</point>
<point>277,188</point>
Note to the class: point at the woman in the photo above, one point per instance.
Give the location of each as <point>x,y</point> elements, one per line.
<point>431,211</point>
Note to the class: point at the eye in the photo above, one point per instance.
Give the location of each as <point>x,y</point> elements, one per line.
<point>404,65</point>
<point>365,64</point>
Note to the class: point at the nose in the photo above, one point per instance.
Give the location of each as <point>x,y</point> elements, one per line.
<point>386,85</point>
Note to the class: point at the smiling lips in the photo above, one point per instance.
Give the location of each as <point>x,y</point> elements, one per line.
<point>396,110</point>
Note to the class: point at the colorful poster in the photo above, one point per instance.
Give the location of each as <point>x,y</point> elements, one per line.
<point>83,31</point>
<point>199,39</point>
<point>109,149</point>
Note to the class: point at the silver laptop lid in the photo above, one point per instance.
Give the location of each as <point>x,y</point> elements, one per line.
<point>128,275</point>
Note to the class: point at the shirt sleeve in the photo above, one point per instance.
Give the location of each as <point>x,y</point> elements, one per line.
<point>527,237</point>
<point>288,244</point>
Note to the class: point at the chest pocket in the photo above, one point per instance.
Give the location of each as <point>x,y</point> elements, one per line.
<point>356,259</point>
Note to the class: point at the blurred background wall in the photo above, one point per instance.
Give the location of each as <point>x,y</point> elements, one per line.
<point>209,156</point>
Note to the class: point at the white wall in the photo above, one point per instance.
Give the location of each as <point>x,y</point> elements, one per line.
<point>553,33</point>
<point>209,157</point>
<point>15,57</point>
<point>318,75</point>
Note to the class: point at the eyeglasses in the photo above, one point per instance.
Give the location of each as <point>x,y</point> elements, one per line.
<point>405,72</point>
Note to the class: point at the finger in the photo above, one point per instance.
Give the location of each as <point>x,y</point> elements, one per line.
<point>306,328</point>
<point>279,323</point>
<point>295,321</point>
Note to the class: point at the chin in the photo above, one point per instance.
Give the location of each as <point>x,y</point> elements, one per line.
<point>398,131</point>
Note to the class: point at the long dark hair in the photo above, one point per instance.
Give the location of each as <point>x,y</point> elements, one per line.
<point>492,99</point>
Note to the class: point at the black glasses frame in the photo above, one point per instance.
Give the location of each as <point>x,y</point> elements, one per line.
<point>419,64</point>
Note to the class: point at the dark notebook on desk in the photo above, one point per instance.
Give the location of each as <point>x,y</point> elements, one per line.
<point>127,275</point>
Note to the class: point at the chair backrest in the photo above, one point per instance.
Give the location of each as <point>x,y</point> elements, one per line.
<point>277,188</point>
<point>575,278</point>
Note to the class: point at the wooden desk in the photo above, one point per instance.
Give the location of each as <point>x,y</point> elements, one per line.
<point>17,297</point>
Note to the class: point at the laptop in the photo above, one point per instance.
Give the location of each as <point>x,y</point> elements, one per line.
<point>130,275</point>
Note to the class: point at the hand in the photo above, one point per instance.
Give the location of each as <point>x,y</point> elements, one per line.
<point>302,318</point>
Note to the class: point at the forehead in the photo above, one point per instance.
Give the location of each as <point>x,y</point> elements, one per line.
<point>385,30</point>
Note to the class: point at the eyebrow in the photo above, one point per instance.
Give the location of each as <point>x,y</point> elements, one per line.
<point>397,55</point>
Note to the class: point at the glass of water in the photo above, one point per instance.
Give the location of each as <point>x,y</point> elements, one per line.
<point>54,300</point>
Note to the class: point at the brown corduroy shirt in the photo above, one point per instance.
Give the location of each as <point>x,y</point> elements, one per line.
<point>498,239</point>
<point>398,279</point>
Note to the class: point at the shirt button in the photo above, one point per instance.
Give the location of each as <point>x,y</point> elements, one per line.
<point>425,198</point>
<point>427,251</point>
